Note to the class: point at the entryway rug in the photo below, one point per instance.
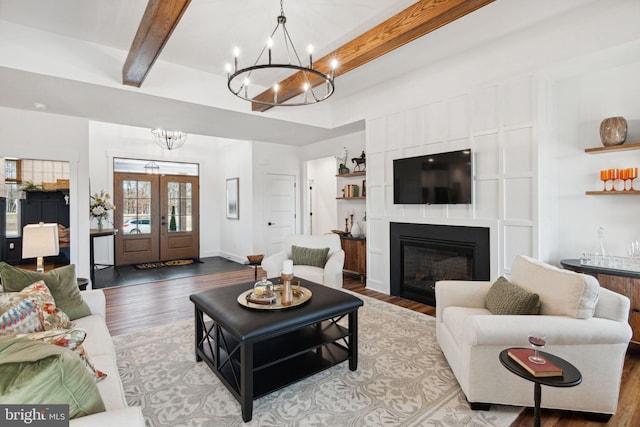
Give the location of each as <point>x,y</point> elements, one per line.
<point>173,263</point>
<point>402,379</point>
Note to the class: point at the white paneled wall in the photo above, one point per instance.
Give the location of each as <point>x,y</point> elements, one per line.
<point>498,122</point>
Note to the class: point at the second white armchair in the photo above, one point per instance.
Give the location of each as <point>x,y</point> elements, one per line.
<point>329,275</point>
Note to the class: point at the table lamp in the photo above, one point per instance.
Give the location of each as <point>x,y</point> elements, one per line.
<point>38,241</point>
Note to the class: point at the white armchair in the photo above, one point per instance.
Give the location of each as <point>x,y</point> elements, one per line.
<point>584,324</point>
<point>330,275</point>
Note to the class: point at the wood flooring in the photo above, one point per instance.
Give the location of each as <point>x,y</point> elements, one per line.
<point>136,307</point>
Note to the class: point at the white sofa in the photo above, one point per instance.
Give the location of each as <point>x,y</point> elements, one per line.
<point>584,324</point>
<point>99,347</point>
<point>330,275</point>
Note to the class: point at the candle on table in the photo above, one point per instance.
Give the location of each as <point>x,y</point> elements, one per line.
<point>287,266</point>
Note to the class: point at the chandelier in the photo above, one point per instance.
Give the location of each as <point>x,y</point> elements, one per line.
<point>152,168</point>
<point>314,85</point>
<point>169,139</point>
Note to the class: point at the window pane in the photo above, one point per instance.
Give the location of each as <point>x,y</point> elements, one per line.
<point>179,203</point>
<point>136,205</point>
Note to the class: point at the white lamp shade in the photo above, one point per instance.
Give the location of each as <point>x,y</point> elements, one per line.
<point>40,240</point>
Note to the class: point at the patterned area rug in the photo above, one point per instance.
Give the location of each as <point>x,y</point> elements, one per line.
<point>402,379</point>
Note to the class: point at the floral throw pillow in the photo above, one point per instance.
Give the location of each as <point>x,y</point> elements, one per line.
<point>70,339</point>
<point>22,317</point>
<point>51,316</point>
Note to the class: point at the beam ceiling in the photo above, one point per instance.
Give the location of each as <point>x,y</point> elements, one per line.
<point>158,22</point>
<point>413,22</point>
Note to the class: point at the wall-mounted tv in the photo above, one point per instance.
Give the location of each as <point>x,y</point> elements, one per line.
<point>442,178</point>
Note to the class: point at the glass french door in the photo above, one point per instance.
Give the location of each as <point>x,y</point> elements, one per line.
<point>157,217</point>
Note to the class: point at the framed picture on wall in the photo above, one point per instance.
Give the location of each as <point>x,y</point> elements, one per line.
<point>233,210</point>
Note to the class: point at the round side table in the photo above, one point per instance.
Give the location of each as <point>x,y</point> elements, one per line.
<point>571,377</point>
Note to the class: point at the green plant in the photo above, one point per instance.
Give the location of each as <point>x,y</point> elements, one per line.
<point>30,186</point>
<point>172,223</point>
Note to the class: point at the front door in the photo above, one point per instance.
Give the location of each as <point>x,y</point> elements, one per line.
<point>157,218</point>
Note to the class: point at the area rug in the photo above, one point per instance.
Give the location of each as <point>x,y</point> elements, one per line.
<point>402,379</point>
<point>173,263</point>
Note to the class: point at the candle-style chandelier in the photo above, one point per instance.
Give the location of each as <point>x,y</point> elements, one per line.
<point>313,85</point>
<point>169,139</point>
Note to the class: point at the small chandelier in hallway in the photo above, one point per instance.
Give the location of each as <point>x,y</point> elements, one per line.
<point>169,139</point>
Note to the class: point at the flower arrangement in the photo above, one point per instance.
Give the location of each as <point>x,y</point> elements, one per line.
<point>100,207</point>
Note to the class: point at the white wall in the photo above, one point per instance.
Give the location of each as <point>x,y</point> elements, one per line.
<point>236,235</point>
<point>498,101</point>
<point>37,135</point>
<point>582,102</point>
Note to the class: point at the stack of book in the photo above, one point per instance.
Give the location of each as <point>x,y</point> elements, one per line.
<point>351,190</point>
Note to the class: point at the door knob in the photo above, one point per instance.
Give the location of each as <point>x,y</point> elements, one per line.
<point>271,223</point>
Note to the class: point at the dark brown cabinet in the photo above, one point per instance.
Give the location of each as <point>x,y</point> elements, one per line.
<point>355,255</point>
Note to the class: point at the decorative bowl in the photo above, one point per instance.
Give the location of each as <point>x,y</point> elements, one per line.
<point>255,259</point>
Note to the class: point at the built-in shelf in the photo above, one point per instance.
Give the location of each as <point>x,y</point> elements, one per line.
<point>352,198</point>
<point>612,193</point>
<point>356,173</point>
<point>621,147</point>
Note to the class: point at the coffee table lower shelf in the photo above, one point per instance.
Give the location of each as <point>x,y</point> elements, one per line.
<point>278,361</point>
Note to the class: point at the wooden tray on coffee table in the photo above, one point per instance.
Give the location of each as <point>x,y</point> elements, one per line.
<point>300,296</point>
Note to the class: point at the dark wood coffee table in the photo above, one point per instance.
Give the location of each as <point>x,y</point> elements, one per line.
<point>255,352</point>
<point>571,377</point>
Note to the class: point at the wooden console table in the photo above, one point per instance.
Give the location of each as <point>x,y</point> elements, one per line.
<point>623,282</point>
<point>355,255</point>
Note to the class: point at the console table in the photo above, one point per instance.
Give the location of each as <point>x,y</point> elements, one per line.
<point>254,352</point>
<point>624,282</point>
<point>93,234</point>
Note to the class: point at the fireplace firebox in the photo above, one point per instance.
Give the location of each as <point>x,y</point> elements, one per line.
<point>422,254</point>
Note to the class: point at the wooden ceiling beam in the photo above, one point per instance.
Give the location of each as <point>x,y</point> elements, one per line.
<point>413,22</point>
<point>158,22</point>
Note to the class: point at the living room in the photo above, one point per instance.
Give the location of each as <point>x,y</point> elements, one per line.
<point>527,101</point>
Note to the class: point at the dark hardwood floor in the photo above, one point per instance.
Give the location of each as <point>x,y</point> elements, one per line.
<point>135,307</point>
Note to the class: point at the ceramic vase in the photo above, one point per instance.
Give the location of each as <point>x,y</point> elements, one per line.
<point>356,231</point>
<point>613,131</point>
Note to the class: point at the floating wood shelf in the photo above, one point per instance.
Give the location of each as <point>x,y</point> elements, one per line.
<point>356,173</point>
<point>612,193</point>
<point>621,147</point>
<point>352,198</point>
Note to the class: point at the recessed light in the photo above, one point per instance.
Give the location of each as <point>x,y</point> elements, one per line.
<point>39,106</point>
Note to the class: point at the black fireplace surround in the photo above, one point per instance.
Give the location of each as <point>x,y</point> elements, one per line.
<point>422,254</point>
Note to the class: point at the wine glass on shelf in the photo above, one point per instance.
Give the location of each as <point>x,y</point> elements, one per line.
<point>633,174</point>
<point>604,177</point>
<point>537,341</point>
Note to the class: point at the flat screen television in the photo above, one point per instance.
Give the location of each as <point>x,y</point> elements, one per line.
<point>443,178</point>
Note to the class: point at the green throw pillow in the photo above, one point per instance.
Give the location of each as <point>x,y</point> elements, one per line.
<point>309,256</point>
<point>61,282</point>
<point>506,298</point>
<point>38,373</point>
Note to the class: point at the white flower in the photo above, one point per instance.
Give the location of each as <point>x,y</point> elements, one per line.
<point>98,211</point>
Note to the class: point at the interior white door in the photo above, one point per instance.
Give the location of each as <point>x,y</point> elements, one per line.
<point>280,210</point>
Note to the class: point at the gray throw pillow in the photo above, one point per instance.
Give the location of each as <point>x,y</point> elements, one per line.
<point>309,256</point>
<point>506,298</point>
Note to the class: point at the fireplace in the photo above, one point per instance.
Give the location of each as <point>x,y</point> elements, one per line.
<point>422,254</point>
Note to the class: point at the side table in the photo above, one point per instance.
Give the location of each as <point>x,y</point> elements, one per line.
<point>571,377</point>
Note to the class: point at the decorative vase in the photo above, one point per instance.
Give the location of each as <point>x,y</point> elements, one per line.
<point>355,230</point>
<point>613,131</point>
<point>100,226</point>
